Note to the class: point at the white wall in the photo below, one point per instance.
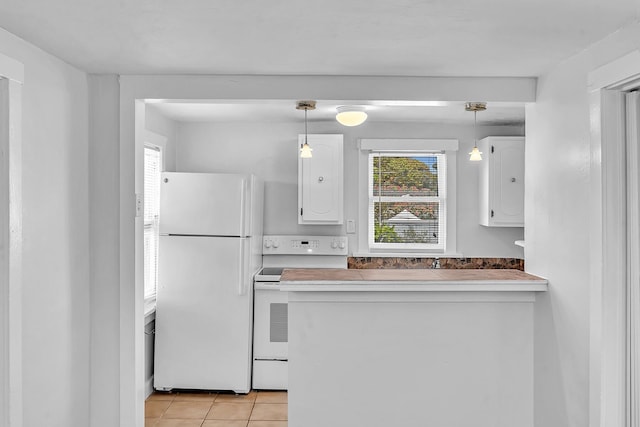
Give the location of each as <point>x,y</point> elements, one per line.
<point>270,150</point>
<point>161,125</point>
<point>104,179</point>
<point>55,291</point>
<point>557,213</point>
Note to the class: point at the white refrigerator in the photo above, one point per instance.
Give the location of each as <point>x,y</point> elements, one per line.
<point>210,249</point>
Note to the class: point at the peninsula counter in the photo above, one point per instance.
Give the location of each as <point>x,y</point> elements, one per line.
<point>441,348</point>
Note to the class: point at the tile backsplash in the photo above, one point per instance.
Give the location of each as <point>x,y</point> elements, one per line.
<point>450,263</point>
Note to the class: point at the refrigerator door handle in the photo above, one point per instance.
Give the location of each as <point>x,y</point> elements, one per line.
<point>243,209</point>
<point>241,266</point>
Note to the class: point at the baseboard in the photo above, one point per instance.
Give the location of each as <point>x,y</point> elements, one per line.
<point>148,387</point>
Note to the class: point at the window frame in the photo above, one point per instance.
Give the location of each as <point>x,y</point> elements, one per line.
<point>441,199</point>
<point>407,146</point>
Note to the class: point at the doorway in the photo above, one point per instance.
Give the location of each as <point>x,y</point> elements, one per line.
<point>4,254</point>
<point>632,118</point>
<point>11,77</point>
<point>615,306</point>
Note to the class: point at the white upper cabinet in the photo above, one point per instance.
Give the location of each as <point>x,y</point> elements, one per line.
<point>320,181</point>
<point>502,181</point>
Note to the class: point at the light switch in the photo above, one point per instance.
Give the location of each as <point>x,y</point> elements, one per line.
<point>351,226</point>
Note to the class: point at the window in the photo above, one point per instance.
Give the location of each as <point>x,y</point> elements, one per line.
<point>152,169</point>
<point>407,200</point>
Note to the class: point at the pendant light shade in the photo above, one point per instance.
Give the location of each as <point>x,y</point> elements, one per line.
<point>351,115</point>
<point>305,149</point>
<point>475,155</point>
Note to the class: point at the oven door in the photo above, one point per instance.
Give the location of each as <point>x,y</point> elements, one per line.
<point>270,323</point>
<point>270,336</point>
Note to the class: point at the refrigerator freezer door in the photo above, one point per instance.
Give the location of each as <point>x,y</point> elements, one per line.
<point>205,204</point>
<point>204,314</point>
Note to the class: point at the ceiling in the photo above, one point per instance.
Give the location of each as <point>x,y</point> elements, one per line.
<point>501,114</point>
<point>329,37</point>
<point>499,38</point>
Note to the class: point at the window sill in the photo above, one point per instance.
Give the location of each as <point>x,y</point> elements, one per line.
<point>407,255</point>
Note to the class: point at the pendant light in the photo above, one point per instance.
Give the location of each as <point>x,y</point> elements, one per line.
<point>305,149</point>
<point>351,115</point>
<point>475,155</point>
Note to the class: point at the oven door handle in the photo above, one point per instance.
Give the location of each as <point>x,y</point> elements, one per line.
<point>267,286</point>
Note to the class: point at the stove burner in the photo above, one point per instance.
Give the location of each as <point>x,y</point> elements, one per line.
<point>271,271</point>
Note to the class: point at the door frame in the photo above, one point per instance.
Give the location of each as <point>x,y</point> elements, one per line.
<point>11,81</point>
<point>608,307</point>
<point>135,90</point>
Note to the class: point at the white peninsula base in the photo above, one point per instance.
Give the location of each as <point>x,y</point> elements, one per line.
<point>410,358</point>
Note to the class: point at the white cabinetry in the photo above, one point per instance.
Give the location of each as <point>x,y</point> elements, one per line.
<point>320,181</point>
<point>502,181</point>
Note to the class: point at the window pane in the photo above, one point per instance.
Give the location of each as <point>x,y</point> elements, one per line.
<point>152,168</point>
<point>405,176</point>
<point>405,222</point>
<point>151,184</point>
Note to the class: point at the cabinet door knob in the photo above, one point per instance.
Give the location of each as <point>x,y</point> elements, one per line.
<point>513,180</point>
<point>320,178</point>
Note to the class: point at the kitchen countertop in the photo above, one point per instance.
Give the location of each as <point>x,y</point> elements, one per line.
<point>423,280</point>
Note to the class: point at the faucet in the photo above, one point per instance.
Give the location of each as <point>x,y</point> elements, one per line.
<point>435,263</point>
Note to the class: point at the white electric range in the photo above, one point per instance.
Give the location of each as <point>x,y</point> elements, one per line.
<point>270,319</point>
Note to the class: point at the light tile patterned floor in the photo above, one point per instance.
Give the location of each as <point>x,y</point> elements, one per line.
<point>256,409</point>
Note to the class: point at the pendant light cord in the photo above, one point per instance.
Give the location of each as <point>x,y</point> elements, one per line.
<point>305,126</point>
<point>475,129</point>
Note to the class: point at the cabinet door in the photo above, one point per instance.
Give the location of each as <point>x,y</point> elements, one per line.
<point>503,182</point>
<point>508,183</point>
<point>320,181</point>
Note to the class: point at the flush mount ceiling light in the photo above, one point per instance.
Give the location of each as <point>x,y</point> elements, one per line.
<point>305,149</point>
<point>475,155</point>
<point>351,115</point>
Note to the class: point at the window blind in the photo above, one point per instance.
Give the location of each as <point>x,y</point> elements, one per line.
<point>152,169</point>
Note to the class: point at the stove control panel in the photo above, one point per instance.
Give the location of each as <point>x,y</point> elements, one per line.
<point>304,245</point>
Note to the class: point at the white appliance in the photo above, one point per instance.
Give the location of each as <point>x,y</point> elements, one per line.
<point>210,249</point>
<point>270,331</point>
